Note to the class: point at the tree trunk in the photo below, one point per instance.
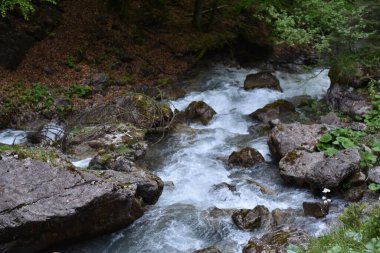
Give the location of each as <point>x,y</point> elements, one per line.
<point>197,18</point>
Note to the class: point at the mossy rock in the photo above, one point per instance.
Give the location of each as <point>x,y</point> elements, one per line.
<point>247,157</point>
<point>199,111</point>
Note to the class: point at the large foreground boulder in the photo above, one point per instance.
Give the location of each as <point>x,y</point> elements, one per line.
<point>247,157</point>
<point>280,109</point>
<point>302,168</point>
<point>262,80</point>
<point>288,137</point>
<point>278,241</point>
<point>199,111</point>
<point>41,205</point>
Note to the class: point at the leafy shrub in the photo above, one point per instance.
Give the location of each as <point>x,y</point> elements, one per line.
<point>38,97</point>
<point>357,234</point>
<point>25,6</point>
<point>82,91</point>
<point>338,139</point>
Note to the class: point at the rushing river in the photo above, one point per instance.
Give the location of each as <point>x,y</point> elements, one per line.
<point>190,161</point>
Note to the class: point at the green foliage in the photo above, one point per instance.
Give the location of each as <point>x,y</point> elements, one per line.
<point>356,234</point>
<point>71,62</point>
<point>339,139</point>
<point>38,97</point>
<point>374,187</point>
<point>314,22</point>
<point>25,6</point>
<point>81,91</point>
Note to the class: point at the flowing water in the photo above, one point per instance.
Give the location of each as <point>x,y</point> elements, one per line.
<point>190,161</point>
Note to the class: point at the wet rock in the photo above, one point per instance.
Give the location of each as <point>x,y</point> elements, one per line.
<point>297,164</point>
<point>333,170</point>
<point>355,194</point>
<point>251,219</point>
<point>259,130</point>
<point>224,185</point>
<point>280,109</point>
<point>208,250</point>
<point>262,80</point>
<point>217,213</point>
<point>282,217</point>
<point>288,137</point>
<point>263,189</point>
<point>54,205</point>
<point>278,241</point>
<point>374,175</point>
<point>331,119</point>
<point>315,209</point>
<point>199,111</point>
<point>348,100</point>
<point>247,157</point>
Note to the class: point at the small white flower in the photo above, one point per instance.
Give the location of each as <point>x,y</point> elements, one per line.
<point>325,190</point>
<point>329,200</point>
<point>325,202</point>
<point>324,198</point>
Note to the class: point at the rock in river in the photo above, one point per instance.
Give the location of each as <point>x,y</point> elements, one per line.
<point>246,157</point>
<point>251,219</point>
<point>41,205</point>
<point>262,80</point>
<point>199,111</point>
<point>280,109</point>
<point>288,137</point>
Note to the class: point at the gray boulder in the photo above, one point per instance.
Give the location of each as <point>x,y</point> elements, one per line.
<point>288,137</point>
<point>333,170</point>
<point>348,100</point>
<point>262,80</point>
<point>297,164</point>
<point>303,168</point>
<point>374,175</point>
<point>41,205</point>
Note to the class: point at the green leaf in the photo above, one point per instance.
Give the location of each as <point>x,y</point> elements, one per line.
<point>326,138</point>
<point>346,143</point>
<point>374,187</point>
<point>330,151</point>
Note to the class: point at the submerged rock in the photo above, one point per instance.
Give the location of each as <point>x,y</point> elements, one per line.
<point>278,241</point>
<point>262,80</point>
<point>251,219</point>
<point>288,137</point>
<point>247,157</point>
<point>315,209</point>
<point>41,205</point>
<point>199,111</point>
<point>280,109</point>
<point>208,250</point>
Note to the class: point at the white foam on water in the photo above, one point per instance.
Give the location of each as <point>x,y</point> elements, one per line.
<point>176,223</point>
<point>82,163</point>
<point>10,137</point>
